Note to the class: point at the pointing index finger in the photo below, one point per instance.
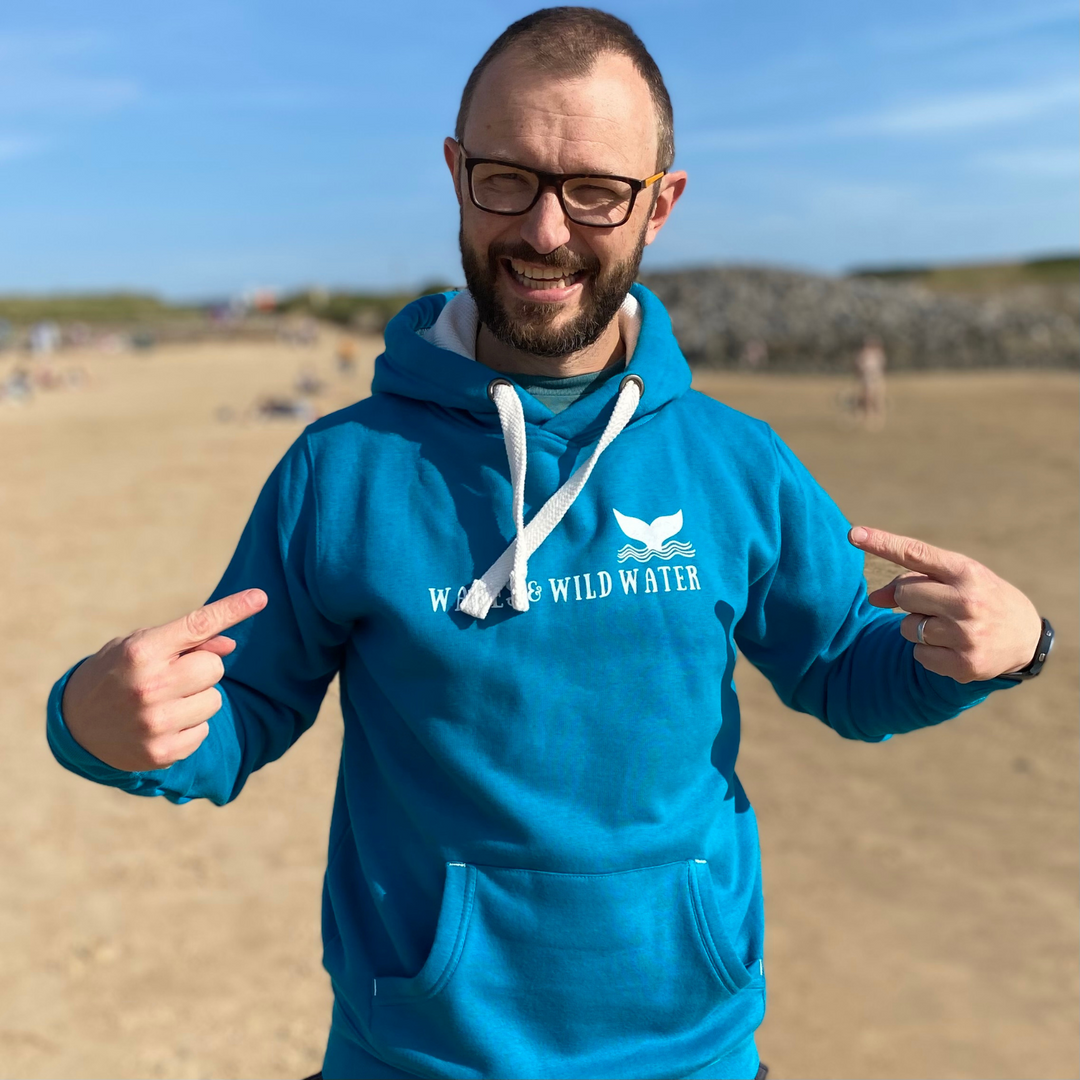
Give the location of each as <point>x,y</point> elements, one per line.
<point>913,554</point>
<point>206,622</point>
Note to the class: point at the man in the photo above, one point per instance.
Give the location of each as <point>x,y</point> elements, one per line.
<point>541,861</point>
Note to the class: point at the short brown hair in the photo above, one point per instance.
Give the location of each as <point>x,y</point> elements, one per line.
<point>567,41</point>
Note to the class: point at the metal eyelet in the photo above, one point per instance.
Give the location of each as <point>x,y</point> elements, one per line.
<point>497,382</point>
<point>636,379</point>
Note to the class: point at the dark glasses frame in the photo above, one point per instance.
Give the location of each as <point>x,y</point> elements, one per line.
<point>556,180</point>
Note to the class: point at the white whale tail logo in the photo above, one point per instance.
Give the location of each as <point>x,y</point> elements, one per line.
<point>655,535</point>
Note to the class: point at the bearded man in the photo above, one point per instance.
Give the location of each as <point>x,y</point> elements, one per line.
<point>531,556</point>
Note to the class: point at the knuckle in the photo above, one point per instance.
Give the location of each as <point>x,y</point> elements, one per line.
<point>982,665</point>
<point>917,551</point>
<point>973,615</point>
<point>966,593</point>
<point>953,670</point>
<point>158,755</point>
<point>144,690</point>
<point>921,654</point>
<point>199,623</point>
<point>208,706</point>
<point>209,702</point>
<point>134,650</point>
<point>151,722</point>
<point>966,667</point>
<point>139,693</point>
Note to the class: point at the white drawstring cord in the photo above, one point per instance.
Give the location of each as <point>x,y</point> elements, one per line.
<point>512,420</point>
<point>513,564</point>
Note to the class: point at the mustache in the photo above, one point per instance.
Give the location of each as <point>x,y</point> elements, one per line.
<point>559,259</point>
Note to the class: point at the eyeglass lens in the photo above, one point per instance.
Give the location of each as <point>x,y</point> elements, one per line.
<point>589,200</point>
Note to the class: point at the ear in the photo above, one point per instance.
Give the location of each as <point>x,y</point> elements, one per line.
<point>451,149</point>
<point>671,188</point>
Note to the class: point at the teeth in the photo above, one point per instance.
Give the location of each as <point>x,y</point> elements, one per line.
<point>540,277</point>
<point>537,273</point>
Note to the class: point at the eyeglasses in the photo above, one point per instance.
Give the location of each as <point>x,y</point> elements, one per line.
<point>602,202</point>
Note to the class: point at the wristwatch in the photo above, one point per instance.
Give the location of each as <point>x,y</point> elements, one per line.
<point>1037,661</point>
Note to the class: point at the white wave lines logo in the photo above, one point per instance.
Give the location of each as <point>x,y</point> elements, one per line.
<point>655,535</point>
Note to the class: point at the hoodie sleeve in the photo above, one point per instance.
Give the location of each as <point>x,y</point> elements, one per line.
<point>811,631</point>
<point>277,676</point>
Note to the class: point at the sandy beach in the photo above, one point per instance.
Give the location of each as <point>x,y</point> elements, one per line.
<point>921,895</point>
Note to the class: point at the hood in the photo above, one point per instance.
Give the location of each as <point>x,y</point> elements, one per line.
<point>414,368</point>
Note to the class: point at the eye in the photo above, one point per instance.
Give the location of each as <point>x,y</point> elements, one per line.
<point>506,179</point>
<point>594,191</point>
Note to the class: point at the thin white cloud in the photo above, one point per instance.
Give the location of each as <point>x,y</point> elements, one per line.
<point>965,111</point>
<point>273,98</point>
<point>16,146</point>
<point>37,46</point>
<point>931,116</point>
<point>1047,162</point>
<point>47,92</point>
<point>988,26</point>
<point>37,76</point>
<point>856,201</point>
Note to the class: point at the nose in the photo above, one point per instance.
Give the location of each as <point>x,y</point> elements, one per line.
<point>545,226</point>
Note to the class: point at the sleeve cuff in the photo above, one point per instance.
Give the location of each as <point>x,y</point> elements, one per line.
<point>961,696</point>
<point>68,752</point>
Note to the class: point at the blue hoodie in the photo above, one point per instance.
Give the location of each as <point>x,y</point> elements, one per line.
<point>541,860</point>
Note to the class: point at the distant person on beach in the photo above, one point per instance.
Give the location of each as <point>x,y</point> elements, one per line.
<point>532,557</point>
<point>18,386</point>
<point>346,356</point>
<point>870,369</point>
<point>755,355</point>
<point>44,338</point>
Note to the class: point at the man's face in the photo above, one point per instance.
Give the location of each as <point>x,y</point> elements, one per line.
<point>604,123</point>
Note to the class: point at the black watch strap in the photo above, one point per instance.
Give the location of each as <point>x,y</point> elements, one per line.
<point>1037,661</point>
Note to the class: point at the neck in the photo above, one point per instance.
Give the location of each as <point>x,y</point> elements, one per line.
<point>608,349</point>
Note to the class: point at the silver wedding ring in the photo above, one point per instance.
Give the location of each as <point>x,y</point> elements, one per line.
<point>920,629</point>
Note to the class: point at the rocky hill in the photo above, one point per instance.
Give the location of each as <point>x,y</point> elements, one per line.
<point>772,319</point>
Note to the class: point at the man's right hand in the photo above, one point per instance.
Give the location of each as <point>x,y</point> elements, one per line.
<point>143,701</point>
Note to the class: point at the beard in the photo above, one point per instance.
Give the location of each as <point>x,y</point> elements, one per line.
<point>530,326</point>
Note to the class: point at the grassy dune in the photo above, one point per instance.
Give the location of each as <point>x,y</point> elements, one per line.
<point>983,277</point>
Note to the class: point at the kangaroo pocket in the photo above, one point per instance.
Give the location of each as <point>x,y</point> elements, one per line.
<point>535,974</point>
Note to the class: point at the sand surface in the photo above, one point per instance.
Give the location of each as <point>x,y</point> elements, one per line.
<point>921,895</point>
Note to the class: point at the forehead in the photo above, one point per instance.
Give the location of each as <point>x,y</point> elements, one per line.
<point>602,122</point>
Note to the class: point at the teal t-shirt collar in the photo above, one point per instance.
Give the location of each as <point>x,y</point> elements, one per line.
<point>560,392</point>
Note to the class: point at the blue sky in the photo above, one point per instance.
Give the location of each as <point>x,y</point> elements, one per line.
<point>203,148</point>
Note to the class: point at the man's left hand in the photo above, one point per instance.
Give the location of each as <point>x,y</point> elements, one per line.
<point>975,625</point>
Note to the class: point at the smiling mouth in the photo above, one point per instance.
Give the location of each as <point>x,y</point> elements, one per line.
<point>542,277</point>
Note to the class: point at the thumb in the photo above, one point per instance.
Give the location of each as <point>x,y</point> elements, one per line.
<point>884,597</point>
